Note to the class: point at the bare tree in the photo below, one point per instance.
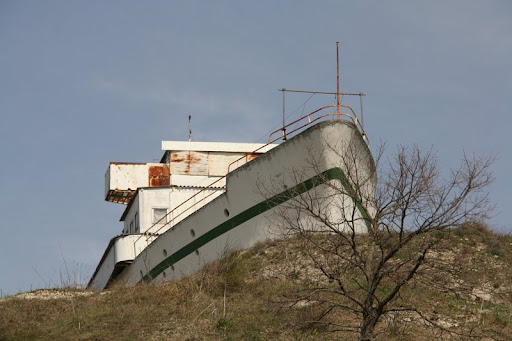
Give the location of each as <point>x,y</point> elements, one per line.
<point>405,205</point>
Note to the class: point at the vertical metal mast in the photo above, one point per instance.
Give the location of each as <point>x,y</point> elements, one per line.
<point>338,76</point>
<point>284,129</point>
<point>189,128</point>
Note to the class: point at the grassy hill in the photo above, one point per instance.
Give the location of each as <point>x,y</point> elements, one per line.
<point>245,297</point>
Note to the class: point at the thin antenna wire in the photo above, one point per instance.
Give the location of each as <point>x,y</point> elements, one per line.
<point>303,106</point>
<point>189,128</point>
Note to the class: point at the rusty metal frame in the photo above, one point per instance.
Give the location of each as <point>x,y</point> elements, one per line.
<point>338,114</point>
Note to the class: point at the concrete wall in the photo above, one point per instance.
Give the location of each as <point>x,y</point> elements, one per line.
<point>169,198</point>
<point>240,217</point>
<point>132,225</point>
<point>120,249</point>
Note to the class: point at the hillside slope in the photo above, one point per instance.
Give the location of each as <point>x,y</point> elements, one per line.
<point>246,296</point>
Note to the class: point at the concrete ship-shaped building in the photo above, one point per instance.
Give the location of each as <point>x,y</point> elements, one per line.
<point>205,197</point>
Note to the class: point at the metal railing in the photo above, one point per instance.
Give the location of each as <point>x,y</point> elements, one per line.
<point>284,135</point>
<point>352,117</point>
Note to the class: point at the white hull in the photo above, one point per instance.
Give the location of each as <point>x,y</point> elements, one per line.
<point>243,215</point>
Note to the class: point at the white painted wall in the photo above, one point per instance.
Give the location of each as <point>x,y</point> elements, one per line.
<point>243,190</point>
<point>193,166</point>
<point>121,248</point>
<point>125,176</point>
<point>172,199</point>
<point>131,224</point>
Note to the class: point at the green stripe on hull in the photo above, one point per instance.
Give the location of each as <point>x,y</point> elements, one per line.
<point>331,174</point>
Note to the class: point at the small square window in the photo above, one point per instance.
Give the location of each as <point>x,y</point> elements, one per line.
<point>159,213</point>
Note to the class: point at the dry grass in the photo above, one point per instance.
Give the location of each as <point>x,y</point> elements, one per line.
<point>241,298</point>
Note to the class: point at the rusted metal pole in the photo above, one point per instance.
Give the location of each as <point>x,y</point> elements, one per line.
<point>283,107</point>
<point>284,129</point>
<point>338,75</point>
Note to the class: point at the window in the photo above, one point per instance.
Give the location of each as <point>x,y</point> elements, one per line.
<point>131,227</point>
<point>136,219</point>
<point>159,213</point>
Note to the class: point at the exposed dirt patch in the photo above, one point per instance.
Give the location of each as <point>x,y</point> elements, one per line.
<point>52,294</point>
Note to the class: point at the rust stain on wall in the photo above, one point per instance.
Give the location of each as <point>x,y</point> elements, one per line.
<point>251,156</point>
<point>159,176</point>
<point>188,162</point>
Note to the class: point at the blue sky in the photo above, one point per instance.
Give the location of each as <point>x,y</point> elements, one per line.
<point>85,83</point>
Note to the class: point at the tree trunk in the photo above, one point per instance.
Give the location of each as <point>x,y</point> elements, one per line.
<point>368,326</point>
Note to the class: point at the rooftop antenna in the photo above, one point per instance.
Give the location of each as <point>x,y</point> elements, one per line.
<point>337,94</point>
<point>338,75</point>
<point>189,128</point>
